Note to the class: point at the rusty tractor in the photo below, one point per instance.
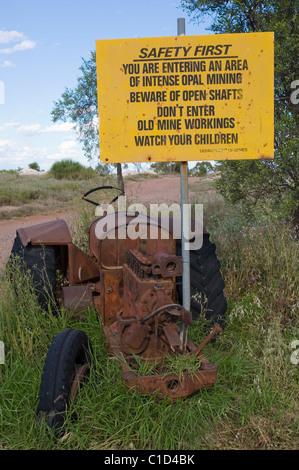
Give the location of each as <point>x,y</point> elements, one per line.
<point>135,285</point>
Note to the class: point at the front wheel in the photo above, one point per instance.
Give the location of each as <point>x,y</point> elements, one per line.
<point>66,365</point>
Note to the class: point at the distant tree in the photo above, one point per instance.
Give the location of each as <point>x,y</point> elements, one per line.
<point>201,169</point>
<point>34,166</point>
<point>167,168</point>
<point>80,107</point>
<point>250,181</point>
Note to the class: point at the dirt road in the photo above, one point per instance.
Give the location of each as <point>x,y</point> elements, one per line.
<point>159,190</point>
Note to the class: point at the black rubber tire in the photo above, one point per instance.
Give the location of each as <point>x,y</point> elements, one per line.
<point>40,261</point>
<point>206,283</point>
<point>69,350</point>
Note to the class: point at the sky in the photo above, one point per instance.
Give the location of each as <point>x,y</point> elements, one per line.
<point>42,43</point>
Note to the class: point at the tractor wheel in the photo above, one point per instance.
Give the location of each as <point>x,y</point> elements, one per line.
<point>66,366</point>
<point>40,262</point>
<point>206,283</point>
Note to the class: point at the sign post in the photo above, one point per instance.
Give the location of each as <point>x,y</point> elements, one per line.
<point>184,222</point>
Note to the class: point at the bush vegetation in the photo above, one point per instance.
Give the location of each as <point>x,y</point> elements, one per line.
<point>70,170</point>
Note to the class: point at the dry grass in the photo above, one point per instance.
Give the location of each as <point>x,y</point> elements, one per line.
<point>24,195</point>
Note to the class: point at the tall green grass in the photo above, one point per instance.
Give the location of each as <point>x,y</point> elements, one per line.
<point>254,403</point>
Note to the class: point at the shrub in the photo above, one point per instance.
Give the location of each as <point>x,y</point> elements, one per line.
<point>68,169</point>
<point>34,166</point>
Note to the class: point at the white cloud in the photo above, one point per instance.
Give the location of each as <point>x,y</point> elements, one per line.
<point>9,125</point>
<point>60,127</point>
<point>22,43</point>
<point>15,151</point>
<point>10,36</point>
<point>4,144</point>
<point>68,145</point>
<point>7,63</point>
<point>67,149</point>
<point>12,154</point>
<point>29,129</point>
<point>21,46</point>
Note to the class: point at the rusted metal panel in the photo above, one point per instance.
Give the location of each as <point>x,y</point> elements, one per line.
<point>77,298</point>
<point>172,385</point>
<point>55,232</point>
<point>81,267</point>
<point>111,298</point>
<point>164,384</point>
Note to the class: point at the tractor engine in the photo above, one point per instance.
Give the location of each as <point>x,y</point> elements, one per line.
<point>148,323</point>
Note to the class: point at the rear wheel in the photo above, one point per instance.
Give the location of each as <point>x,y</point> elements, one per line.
<point>40,262</point>
<point>66,365</point>
<point>206,283</point>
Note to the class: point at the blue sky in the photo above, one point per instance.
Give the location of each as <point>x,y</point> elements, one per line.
<point>42,43</point>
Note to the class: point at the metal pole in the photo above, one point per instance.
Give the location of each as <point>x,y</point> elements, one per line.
<point>181,26</point>
<point>184,221</point>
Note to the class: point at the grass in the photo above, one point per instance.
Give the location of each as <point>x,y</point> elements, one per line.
<point>254,403</point>
<point>24,195</point>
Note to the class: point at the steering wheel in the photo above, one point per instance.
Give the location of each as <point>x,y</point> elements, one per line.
<point>100,188</point>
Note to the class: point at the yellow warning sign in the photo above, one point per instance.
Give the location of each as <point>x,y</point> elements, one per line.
<point>186,98</point>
